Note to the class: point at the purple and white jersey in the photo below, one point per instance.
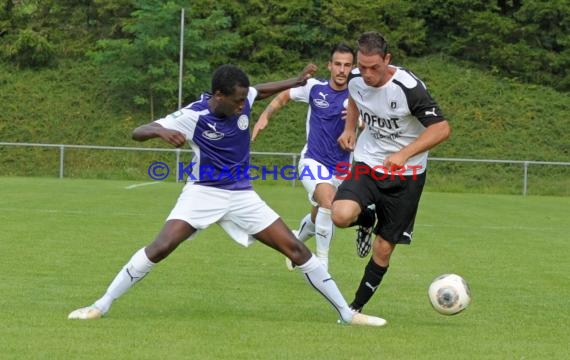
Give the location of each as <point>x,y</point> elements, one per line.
<point>324,121</point>
<point>220,145</point>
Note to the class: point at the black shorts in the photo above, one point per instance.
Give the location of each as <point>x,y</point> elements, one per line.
<point>396,198</point>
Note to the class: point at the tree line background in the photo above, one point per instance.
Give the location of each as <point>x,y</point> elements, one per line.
<point>137,41</point>
<point>90,71</point>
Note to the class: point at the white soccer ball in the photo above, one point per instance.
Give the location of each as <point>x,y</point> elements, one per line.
<point>449,294</point>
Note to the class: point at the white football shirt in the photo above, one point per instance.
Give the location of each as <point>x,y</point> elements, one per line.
<point>395,115</point>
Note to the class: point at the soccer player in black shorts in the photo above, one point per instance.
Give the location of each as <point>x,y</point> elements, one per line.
<point>402,122</point>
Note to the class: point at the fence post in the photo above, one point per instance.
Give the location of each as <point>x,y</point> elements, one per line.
<point>525,179</point>
<point>295,166</point>
<point>61,158</point>
<point>180,62</point>
<point>177,160</point>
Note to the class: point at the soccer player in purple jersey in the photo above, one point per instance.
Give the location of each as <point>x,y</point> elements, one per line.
<point>217,128</point>
<point>327,100</point>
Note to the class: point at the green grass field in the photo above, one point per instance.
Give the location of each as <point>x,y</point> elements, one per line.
<point>62,241</point>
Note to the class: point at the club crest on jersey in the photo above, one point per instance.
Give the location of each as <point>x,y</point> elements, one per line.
<point>322,103</point>
<point>393,105</point>
<point>212,134</point>
<point>177,114</point>
<point>243,122</point>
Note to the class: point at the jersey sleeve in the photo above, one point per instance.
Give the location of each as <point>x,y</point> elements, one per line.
<point>302,93</point>
<point>251,95</point>
<point>183,120</point>
<point>354,73</point>
<point>420,102</point>
<point>424,107</point>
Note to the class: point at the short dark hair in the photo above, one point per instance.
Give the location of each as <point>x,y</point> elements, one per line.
<point>227,77</point>
<point>342,48</point>
<point>372,42</point>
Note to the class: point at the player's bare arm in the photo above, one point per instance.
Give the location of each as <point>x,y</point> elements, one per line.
<point>277,103</point>
<point>347,139</point>
<point>153,130</point>
<point>268,89</point>
<point>434,134</point>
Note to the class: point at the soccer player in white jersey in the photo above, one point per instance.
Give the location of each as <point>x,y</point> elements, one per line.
<point>219,191</point>
<point>402,123</point>
<point>327,100</point>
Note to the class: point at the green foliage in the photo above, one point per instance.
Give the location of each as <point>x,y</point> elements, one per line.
<point>22,43</point>
<point>37,31</point>
<point>528,40</point>
<point>69,104</point>
<point>546,29</point>
<point>444,18</point>
<point>493,117</point>
<point>145,64</point>
<point>30,49</point>
<point>111,17</point>
<point>277,37</point>
<point>344,21</point>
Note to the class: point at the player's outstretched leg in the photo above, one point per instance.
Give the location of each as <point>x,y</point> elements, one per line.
<point>279,237</point>
<point>288,263</point>
<point>141,263</point>
<point>316,275</point>
<point>136,269</point>
<point>305,232</point>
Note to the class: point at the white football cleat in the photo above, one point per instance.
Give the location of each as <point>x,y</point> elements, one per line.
<point>86,313</point>
<point>366,320</point>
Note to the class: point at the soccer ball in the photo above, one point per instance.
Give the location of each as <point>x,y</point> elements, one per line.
<point>449,294</point>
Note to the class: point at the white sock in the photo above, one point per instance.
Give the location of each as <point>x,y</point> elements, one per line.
<point>306,228</point>
<point>137,267</point>
<point>324,232</point>
<point>321,280</point>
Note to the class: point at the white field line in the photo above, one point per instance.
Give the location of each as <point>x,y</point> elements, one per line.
<point>134,186</point>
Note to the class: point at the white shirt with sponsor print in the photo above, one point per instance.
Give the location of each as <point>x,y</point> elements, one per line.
<point>395,115</point>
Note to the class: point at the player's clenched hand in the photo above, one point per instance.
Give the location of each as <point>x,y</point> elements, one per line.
<point>395,160</point>
<point>307,73</point>
<point>259,125</point>
<point>173,137</point>
<point>347,140</point>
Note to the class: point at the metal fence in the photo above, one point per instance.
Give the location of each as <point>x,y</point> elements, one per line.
<point>288,158</point>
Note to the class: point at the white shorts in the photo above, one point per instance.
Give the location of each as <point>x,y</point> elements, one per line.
<point>241,213</point>
<point>313,173</point>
